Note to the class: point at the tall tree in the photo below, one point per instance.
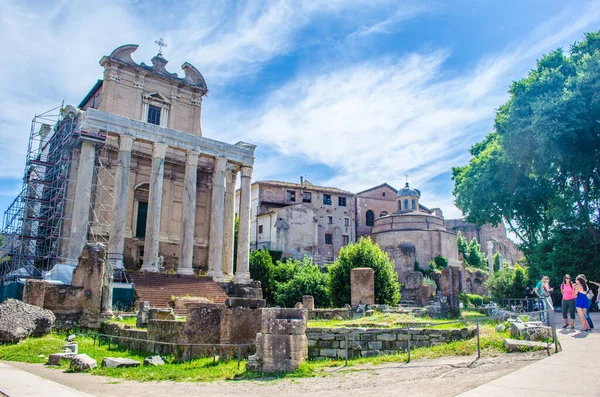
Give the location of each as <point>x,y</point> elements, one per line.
<point>539,171</point>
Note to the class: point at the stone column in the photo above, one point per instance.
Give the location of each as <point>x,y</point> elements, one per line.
<point>188,219</point>
<point>490,256</point>
<point>107,291</point>
<point>116,239</point>
<point>81,202</point>
<point>215,249</point>
<point>229,223</point>
<point>242,271</point>
<point>154,209</point>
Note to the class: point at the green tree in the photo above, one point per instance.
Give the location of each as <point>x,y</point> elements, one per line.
<point>538,171</point>
<point>363,253</point>
<point>508,283</point>
<point>497,261</point>
<point>263,270</point>
<point>475,257</point>
<point>307,279</point>
<point>461,242</point>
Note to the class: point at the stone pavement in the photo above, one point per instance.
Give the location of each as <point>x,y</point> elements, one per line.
<point>15,382</point>
<point>573,372</point>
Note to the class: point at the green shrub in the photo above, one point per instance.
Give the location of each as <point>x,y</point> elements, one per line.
<point>508,283</point>
<point>428,281</point>
<point>470,300</point>
<point>438,263</point>
<point>307,279</point>
<point>363,253</point>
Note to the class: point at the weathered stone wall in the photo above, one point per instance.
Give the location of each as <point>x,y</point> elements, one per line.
<point>328,343</point>
<point>473,281</point>
<point>34,292</point>
<point>503,244</point>
<point>330,314</point>
<point>426,245</point>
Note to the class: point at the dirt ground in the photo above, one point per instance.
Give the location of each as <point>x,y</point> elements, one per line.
<point>446,376</point>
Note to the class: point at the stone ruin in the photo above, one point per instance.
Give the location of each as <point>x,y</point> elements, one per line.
<point>87,301</point>
<point>362,286</point>
<point>281,344</point>
<point>19,320</point>
<point>413,289</point>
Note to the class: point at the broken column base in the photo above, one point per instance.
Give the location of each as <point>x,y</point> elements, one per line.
<point>281,346</point>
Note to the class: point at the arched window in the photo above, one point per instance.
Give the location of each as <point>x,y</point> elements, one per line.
<point>384,213</point>
<point>399,205</point>
<point>370,218</point>
<point>405,205</point>
<point>413,205</point>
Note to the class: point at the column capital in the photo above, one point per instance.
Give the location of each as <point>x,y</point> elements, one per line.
<point>220,163</point>
<point>191,158</point>
<point>159,150</point>
<point>246,172</point>
<point>125,143</point>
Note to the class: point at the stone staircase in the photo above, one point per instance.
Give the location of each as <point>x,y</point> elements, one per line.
<point>159,288</point>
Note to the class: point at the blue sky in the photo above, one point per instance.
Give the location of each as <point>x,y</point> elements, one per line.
<point>345,93</point>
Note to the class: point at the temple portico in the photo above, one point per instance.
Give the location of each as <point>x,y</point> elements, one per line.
<point>170,190</point>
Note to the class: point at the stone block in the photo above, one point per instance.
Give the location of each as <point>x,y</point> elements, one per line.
<point>375,345</point>
<point>250,303</point>
<point>154,361</point>
<point>362,286</point>
<point>20,320</point>
<point>119,362</point>
<point>516,328</point>
<point>308,301</point>
<point>328,353</point>
<point>513,345</point>
<point>387,337</point>
<point>56,358</point>
<point>162,314</point>
<point>82,362</point>
<point>311,342</point>
<point>369,353</point>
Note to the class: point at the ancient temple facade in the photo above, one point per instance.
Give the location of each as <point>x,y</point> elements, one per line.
<point>141,177</point>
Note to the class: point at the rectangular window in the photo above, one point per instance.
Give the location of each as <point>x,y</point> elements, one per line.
<point>329,239</point>
<point>327,199</point>
<point>260,229</point>
<point>330,219</point>
<point>342,201</point>
<point>346,221</point>
<point>307,197</point>
<point>291,195</point>
<point>345,239</point>
<point>154,114</point>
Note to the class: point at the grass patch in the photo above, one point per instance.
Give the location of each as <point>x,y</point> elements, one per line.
<point>205,370</point>
<point>393,320</point>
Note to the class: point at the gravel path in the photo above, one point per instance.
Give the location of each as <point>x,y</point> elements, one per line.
<point>446,376</point>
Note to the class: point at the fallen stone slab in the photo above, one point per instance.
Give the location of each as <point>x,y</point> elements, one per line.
<point>513,345</point>
<point>20,320</point>
<point>119,362</point>
<point>82,362</point>
<point>56,358</point>
<point>154,361</point>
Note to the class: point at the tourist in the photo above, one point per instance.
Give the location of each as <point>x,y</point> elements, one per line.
<point>543,290</point>
<point>581,302</point>
<point>590,295</point>
<point>567,289</point>
<point>597,295</point>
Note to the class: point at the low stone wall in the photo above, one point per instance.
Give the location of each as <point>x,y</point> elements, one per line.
<point>328,343</point>
<point>330,314</point>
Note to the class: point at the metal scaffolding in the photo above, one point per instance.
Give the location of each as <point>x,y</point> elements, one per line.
<point>33,223</point>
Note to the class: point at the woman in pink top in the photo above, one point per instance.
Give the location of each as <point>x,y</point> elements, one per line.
<point>567,289</point>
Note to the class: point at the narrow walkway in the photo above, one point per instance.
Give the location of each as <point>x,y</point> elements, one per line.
<point>572,372</point>
<point>15,382</point>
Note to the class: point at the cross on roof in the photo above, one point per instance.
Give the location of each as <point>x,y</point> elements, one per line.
<point>161,44</point>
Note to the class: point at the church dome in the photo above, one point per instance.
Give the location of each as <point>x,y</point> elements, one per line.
<point>408,191</point>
